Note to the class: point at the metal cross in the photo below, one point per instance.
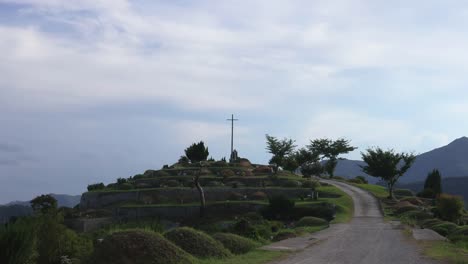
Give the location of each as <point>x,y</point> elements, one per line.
<point>232,131</point>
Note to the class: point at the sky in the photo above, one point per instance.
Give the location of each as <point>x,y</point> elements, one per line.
<point>94,90</point>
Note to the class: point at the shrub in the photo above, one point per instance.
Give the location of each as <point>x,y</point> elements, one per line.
<point>96,186</point>
<point>290,184</point>
<point>197,243</point>
<point>247,229</point>
<point>18,242</point>
<point>235,243</point>
<point>461,233</point>
<point>259,196</point>
<point>323,210</point>
<point>428,223</point>
<point>444,228</point>
<point>285,234</point>
<point>403,192</point>
<point>227,173</point>
<point>280,207</point>
<point>125,186</point>
<point>161,173</point>
<point>172,183</point>
<point>450,207</point>
<point>254,217</point>
<point>311,221</point>
<point>121,180</point>
<point>405,209</point>
<point>427,193</point>
<point>276,226</point>
<point>362,179</point>
<point>416,216</point>
<point>150,248</point>
<point>197,152</point>
<point>311,184</point>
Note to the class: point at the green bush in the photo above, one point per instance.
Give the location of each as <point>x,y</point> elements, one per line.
<point>459,234</point>
<point>246,228</point>
<point>312,184</point>
<point>121,180</point>
<point>291,184</point>
<point>450,207</point>
<point>444,228</point>
<point>280,207</point>
<point>285,234</point>
<point>311,221</point>
<point>235,243</point>
<point>96,186</point>
<point>323,210</point>
<point>18,242</point>
<point>172,183</point>
<point>428,223</point>
<point>362,179</point>
<point>354,180</point>
<point>403,192</point>
<point>150,248</point>
<point>125,186</point>
<point>416,216</point>
<point>197,243</point>
<point>427,193</point>
<point>404,209</point>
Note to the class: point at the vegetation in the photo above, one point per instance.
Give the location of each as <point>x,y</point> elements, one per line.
<point>311,221</point>
<point>236,244</point>
<point>197,243</point>
<point>281,149</point>
<point>149,247</point>
<point>450,207</point>
<point>387,165</point>
<point>197,152</point>
<point>330,150</point>
<point>96,186</point>
<point>432,185</point>
<point>252,257</point>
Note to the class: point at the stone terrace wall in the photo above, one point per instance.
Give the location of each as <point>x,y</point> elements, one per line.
<point>96,200</point>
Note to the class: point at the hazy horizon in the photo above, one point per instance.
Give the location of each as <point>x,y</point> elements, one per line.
<point>95,90</point>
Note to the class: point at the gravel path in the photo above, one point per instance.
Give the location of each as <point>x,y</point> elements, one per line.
<point>367,239</point>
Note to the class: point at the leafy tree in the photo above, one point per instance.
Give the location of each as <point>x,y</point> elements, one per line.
<point>280,149</point>
<point>434,182</point>
<point>311,168</point>
<point>18,242</point>
<point>328,149</point>
<point>387,165</point>
<point>44,203</point>
<point>197,152</point>
<point>290,163</point>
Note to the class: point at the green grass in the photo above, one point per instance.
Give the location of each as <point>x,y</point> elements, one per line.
<point>441,250</point>
<point>344,204</point>
<point>377,190</point>
<point>253,257</point>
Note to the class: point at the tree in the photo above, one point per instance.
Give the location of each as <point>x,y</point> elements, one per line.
<point>201,193</point>
<point>280,149</point>
<point>290,163</point>
<point>434,182</point>
<point>311,168</point>
<point>197,152</point>
<point>387,165</point>
<point>328,149</point>
<point>43,203</point>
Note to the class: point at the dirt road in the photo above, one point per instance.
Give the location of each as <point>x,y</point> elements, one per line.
<point>367,239</point>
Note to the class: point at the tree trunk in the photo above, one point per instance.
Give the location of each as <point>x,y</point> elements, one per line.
<point>202,195</point>
<point>390,191</point>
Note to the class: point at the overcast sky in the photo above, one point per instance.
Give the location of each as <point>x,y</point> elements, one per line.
<point>93,90</point>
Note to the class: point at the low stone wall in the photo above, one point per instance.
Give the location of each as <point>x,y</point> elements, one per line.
<point>96,200</point>
<point>179,213</point>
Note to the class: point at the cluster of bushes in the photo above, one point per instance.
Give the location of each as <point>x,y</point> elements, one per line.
<point>96,186</point>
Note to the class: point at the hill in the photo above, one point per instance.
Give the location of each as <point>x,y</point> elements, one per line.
<point>451,160</point>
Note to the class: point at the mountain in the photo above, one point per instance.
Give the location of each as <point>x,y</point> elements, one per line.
<point>451,160</point>
<point>456,185</point>
<point>22,208</point>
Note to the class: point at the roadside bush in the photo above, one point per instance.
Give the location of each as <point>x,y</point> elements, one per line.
<point>259,196</point>
<point>311,221</point>
<point>450,207</point>
<point>416,216</point>
<point>444,228</point>
<point>235,243</point>
<point>96,186</point>
<point>405,209</point>
<point>285,234</point>
<point>362,179</point>
<point>150,248</point>
<point>403,192</point>
<point>428,223</point>
<point>459,234</point>
<point>197,243</point>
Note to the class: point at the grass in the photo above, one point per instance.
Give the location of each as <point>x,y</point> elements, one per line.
<point>441,250</point>
<point>377,190</point>
<point>257,256</point>
<point>344,204</point>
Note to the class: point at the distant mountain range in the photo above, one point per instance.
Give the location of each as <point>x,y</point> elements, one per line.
<point>451,160</point>
<point>22,208</point>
